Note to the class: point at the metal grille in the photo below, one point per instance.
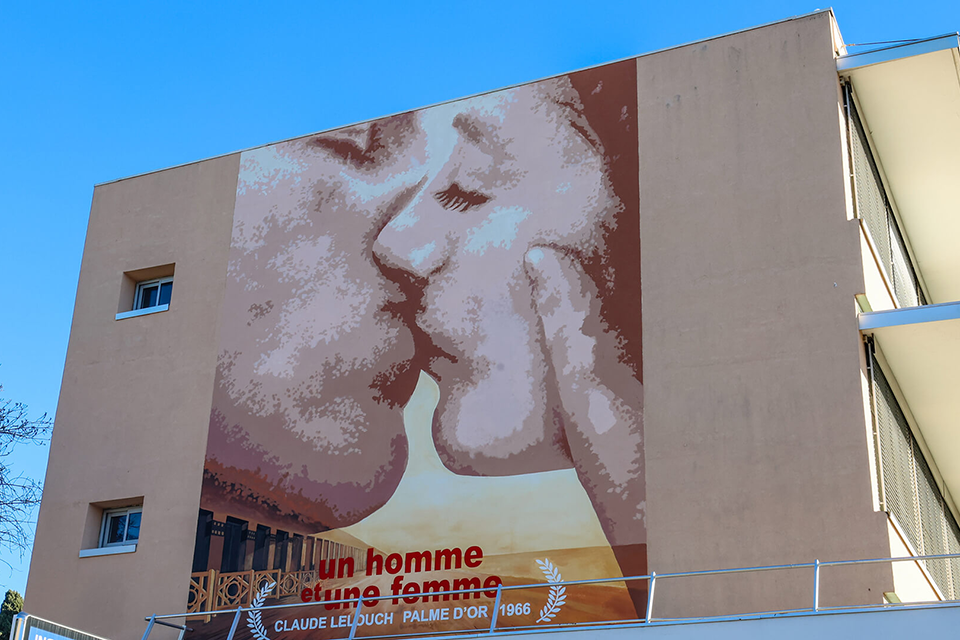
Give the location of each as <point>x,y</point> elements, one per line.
<point>932,517</point>
<point>874,209</point>
<point>896,454</point>
<point>910,491</point>
<point>904,281</point>
<point>953,545</point>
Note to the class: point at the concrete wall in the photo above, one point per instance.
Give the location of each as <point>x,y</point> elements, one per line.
<point>755,447</point>
<point>135,402</point>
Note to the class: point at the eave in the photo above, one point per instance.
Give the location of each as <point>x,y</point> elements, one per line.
<point>909,100</point>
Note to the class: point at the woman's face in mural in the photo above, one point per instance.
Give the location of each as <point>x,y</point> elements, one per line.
<point>522,274</point>
<point>516,173</point>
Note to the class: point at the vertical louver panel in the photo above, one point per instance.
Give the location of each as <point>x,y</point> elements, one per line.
<point>904,282</point>
<point>896,449</point>
<point>910,490</point>
<point>953,546</point>
<point>932,518</point>
<point>873,206</point>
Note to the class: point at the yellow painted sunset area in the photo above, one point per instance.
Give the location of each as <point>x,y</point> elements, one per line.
<point>434,508</point>
<point>515,520</point>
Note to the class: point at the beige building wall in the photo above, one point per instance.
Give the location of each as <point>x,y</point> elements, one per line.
<point>135,401</point>
<point>756,450</point>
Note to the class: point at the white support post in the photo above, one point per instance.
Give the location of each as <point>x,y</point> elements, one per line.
<point>816,585</point>
<point>146,634</point>
<point>653,584</point>
<point>496,609</point>
<point>356,619</point>
<point>236,621</point>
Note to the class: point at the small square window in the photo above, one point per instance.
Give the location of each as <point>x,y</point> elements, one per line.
<point>120,526</point>
<point>153,293</point>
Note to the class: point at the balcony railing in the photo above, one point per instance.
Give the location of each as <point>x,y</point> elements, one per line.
<point>649,618</point>
<point>216,591</point>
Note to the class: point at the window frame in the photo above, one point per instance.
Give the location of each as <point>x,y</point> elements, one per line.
<point>105,521</point>
<point>159,282</point>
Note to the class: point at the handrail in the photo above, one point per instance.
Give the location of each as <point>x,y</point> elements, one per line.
<point>648,619</point>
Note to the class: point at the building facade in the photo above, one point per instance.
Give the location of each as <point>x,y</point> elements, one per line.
<point>686,311</point>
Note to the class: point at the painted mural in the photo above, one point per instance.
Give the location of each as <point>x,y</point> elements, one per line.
<point>430,373</point>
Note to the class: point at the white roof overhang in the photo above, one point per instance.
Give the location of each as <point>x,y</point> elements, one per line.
<point>909,98</point>
<point>922,348</point>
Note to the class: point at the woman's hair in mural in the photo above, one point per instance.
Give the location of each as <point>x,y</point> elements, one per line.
<point>609,97</point>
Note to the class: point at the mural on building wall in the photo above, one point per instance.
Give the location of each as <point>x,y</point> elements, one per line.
<point>429,373</point>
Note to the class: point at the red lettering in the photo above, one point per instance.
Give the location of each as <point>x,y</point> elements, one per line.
<point>346,568</point>
<point>473,557</point>
<point>351,593</point>
<point>436,586</point>
<point>395,588</point>
<point>492,581</point>
<point>418,561</point>
<point>450,557</point>
<point>327,569</point>
<point>373,591</point>
<point>306,595</point>
<point>374,560</point>
<point>411,587</point>
<point>394,563</point>
<point>463,584</point>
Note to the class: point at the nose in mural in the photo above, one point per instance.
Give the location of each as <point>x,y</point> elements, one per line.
<point>414,242</point>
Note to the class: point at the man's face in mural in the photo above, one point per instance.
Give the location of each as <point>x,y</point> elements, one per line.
<point>315,364</point>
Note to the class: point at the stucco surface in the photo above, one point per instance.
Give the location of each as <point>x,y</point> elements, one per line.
<point>123,429</point>
<point>756,451</point>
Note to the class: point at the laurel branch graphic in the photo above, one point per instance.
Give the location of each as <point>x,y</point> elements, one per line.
<point>253,617</point>
<point>558,593</point>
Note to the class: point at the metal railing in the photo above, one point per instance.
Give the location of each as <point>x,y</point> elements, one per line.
<point>648,619</point>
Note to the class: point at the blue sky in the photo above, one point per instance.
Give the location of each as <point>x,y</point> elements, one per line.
<point>93,92</point>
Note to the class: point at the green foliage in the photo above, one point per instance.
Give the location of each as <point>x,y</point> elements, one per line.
<point>12,605</point>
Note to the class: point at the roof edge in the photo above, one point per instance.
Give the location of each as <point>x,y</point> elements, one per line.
<point>476,95</point>
<point>898,51</point>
